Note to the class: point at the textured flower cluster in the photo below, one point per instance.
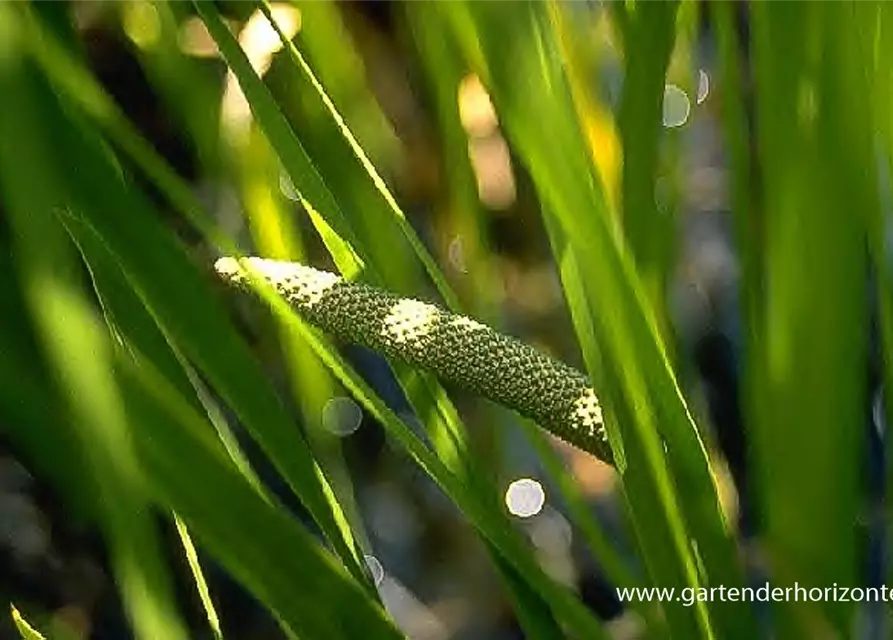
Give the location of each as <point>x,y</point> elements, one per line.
<point>455,348</point>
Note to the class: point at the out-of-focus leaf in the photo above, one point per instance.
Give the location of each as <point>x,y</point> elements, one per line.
<point>32,185</point>
<point>179,299</point>
<point>819,189</point>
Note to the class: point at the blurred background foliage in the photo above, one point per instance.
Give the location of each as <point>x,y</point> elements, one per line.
<point>689,200</point>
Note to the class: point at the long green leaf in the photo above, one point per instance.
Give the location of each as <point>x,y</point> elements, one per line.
<point>275,558</point>
<point>181,302</point>
<point>73,342</point>
<point>819,190</point>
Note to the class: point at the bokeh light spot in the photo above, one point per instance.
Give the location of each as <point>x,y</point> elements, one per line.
<point>260,40</point>
<point>491,161</point>
<point>877,413</point>
<point>676,107</point>
<point>287,187</point>
<point>375,568</point>
<point>551,532</point>
<point>457,255</point>
<point>341,416</point>
<point>703,86</point>
<point>476,111</point>
<point>525,497</point>
<point>194,40</point>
